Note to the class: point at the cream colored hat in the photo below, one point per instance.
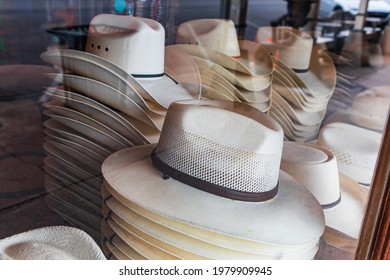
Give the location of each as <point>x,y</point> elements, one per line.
<point>312,68</point>
<point>50,243</point>
<point>341,198</point>
<point>160,70</point>
<point>356,149</point>
<point>207,175</point>
<point>213,43</point>
<point>215,34</point>
<point>370,108</point>
<point>137,45</point>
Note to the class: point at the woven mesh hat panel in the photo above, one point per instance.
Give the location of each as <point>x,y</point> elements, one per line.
<point>351,159</point>
<point>221,165</point>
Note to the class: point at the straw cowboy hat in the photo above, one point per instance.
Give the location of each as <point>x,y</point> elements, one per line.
<point>214,43</point>
<point>356,149</point>
<point>206,174</point>
<point>370,108</point>
<point>50,243</point>
<point>116,55</point>
<point>312,68</point>
<point>342,199</point>
<point>137,45</point>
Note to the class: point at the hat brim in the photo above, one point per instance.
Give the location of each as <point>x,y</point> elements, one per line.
<point>65,172</point>
<point>188,232</point>
<point>94,67</point>
<point>217,80</point>
<point>56,108</point>
<point>273,223</point>
<point>102,113</point>
<point>254,59</point>
<point>319,79</point>
<point>72,135</point>
<point>347,217</point>
<point>109,96</point>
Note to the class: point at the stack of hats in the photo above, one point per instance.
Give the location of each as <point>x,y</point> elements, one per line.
<point>355,148</point>
<point>113,96</point>
<point>230,69</point>
<point>342,199</point>
<point>304,78</point>
<point>211,188</point>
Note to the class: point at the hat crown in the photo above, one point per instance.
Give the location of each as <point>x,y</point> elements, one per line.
<point>215,34</point>
<point>229,145</point>
<point>133,43</point>
<point>291,46</point>
<point>316,168</point>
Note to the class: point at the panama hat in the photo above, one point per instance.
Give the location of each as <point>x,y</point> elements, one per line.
<point>219,124</point>
<point>137,45</point>
<point>356,149</point>
<point>50,243</point>
<point>370,108</point>
<point>342,199</point>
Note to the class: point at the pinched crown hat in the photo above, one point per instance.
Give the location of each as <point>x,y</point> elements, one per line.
<point>216,167</point>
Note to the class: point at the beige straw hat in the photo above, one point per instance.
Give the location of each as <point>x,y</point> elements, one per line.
<point>50,243</point>
<point>207,175</point>
<point>356,149</point>
<point>370,108</point>
<point>342,199</point>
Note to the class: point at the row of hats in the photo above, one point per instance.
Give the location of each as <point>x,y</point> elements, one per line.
<point>121,108</point>
<point>296,77</point>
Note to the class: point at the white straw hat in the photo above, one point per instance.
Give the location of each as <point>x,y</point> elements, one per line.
<point>356,149</point>
<point>342,199</point>
<point>50,243</point>
<point>217,174</point>
<point>370,108</point>
<point>137,45</point>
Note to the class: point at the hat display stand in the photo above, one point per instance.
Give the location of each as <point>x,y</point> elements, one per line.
<point>231,69</point>
<point>153,222</point>
<point>103,101</point>
<point>301,87</point>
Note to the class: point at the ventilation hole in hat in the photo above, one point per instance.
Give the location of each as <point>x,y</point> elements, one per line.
<point>228,167</point>
<point>92,45</point>
<point>98,47</point>
<point>106,49</point>
<point>351,159</point>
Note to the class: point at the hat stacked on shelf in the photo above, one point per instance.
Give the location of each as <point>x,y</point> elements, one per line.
<point>355,148</point>
<point>304,78</point>
<point>113,96</point>
<point>211,188</point>
<point>342,199</point>
<point>230,69</point>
